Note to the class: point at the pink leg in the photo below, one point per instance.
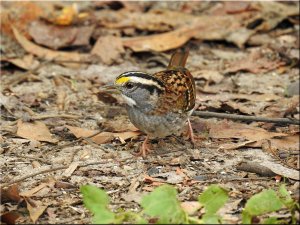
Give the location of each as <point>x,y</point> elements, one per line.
<point>190,132</point>
<point>144,149</point>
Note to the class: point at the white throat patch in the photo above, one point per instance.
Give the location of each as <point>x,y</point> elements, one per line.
<point>128,100</point>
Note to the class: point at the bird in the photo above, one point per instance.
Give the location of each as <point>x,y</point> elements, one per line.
<point>159,104</point>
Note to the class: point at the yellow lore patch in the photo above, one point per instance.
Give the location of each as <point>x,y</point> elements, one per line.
<point>122,80</point>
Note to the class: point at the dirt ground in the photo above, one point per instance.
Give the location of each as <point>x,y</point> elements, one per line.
<point>50,107</point>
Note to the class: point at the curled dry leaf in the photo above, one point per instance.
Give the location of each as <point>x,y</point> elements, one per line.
<point>35,208</point>
<point>108,48</point>
<point>56,37</point>
<point>119,124</point>
<point>160,42</point>
<point>10,194</point>
<point>241,131</point>
<point>33,191</point>
<point>258,61</point>
<point>10,217</point>
<point>36,130</point>
<point>290,143</point>
<point>26,12</point>
<point>70,170</point>
<point>154,20</point>
<point>49,54</point>
<point>102,137</point>
<point>27,62</point>
<point>190,207</point>
<point>99,138</point>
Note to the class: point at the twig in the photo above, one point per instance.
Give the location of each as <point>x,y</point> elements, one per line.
<point>206,114</point>
<point>34,174</point>
<point>58,168</point>
<point>33,158</point>
<point>66,116</point>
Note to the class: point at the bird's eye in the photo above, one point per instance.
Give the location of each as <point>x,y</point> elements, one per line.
<point>129,85</point>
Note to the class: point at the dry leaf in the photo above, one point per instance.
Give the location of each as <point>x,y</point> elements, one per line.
<point>190,207</point>
<point>120,124</point>
<point>26,63</point>
<point>100,138</point>
<point>10,194</point>
<point>160,42</point>
<point>154,20</point>
<point>36,130</point>
<point>108,48</point>
<point>35,208</point>
<point>26,12</point>
<point>70,170</point>
<point>225,129</point>
<point>81,132</point>
<point>36,189</point>
<point>126,135</point>
<point>10,217</point>
<point>49,54</point>
<point>56,37</point>
<point>283,143</point>
<point>258,61</point>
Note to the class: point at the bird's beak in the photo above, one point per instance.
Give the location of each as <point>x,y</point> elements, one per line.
<point>110,88</point>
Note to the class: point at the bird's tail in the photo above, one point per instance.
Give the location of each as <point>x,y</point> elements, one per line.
<point>178,59</point>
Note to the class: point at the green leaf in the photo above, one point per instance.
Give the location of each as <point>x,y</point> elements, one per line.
<point>211,219</point>
<point>246,217</point>
<point>103,216</point>
<point>285,197</point>
<point>96,200</point>
<point>213,198</point>
<point>263,202</point>
<point>163,204</point>
<point>271,220</point>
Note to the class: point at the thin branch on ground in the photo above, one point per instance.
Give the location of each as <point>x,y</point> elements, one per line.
<point>59,168</point>
<point>205,114</point>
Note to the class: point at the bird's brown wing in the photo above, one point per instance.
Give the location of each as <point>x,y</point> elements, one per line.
<point>180,91</point>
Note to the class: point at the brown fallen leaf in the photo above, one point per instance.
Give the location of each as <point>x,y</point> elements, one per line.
<point>258,61</point>
<point>81,132</point>
<point>26,63</point>
<point>70,170</point>
<point>225,129</point>
<point>153,20</point>
<point>126,135</point>
<point>35,208</point>
<point>26,11</point>
<point>290,142</point>
<point>10,217</point>
<point>119,124</point>
<point>31,192</point>
<point>160,42</point>
<point>55,37</point>
<point>36,130</point>
<point>10,194</point>
<point>102,137</point>
<point>108,48</point>
<point>61,99</point>
<point>190,207</point>
<point>49,54</point>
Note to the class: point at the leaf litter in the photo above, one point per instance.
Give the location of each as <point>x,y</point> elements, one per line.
<point>242,56</point>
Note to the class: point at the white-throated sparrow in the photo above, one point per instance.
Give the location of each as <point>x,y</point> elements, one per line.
<point>159,104</point>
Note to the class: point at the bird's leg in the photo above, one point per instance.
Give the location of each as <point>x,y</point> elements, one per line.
<point>191,132</point>
<point>144,149</point>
